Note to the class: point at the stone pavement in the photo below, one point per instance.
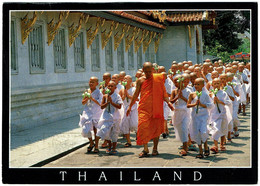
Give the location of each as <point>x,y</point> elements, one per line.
<point>237,154</point>
<point>34,145</point>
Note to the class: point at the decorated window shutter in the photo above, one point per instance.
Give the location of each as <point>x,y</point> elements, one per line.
<point>13,48</point>
<point>79,53</point>
<point>120,56</point>
<point>139,58</point>
<point>60,51</point>
<point>36,50</point>
<point>131,58</point>
<point>108,56</point>
<point>95,54</point>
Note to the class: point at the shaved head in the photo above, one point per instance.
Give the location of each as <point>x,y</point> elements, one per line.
<point>147,65</point>
<point>107,74</point>
<point>94,78</point>
<point>200,81</point>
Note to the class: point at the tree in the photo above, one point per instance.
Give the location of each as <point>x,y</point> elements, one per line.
<point>224,40</point>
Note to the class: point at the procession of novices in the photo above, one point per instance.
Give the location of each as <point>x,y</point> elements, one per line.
<point>202,101</point>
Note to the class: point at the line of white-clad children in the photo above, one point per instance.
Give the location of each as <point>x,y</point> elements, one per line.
<point>207,99</point>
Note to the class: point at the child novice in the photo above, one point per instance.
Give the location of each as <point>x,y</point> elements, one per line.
<point>129,123</point>
<point>218,116</point>
<point>181,120</point>
<point>110,119</point>
<point>106,79</point>
<point>166,109</point>
<point>236,88</point>
<point>230,93</point>
<point>92,112</point>
<point>200,105</point>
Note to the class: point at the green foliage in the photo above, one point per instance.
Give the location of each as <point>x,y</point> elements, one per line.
<point>224,42</point>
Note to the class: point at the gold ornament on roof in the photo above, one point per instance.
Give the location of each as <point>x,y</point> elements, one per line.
<point>148,40</point>
<point>74,30</point>
<point>27,25</point>
<point>91,34</point>
<point>157,41</point>
<point>161,15</point>
<point>52,28</point>
<point>138,42</point>
<point>129,38</point>
<point>106,36</point>
<point>118,37</point>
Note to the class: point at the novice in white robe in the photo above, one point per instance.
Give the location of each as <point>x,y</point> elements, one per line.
<point>129,123</point>
<point>199,121</point>
<point>91,114</point>
<point>219,120</point>
<point>110,119</point>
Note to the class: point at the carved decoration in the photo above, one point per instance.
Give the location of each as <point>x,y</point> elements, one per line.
<point>157,41</point>
<point>91,34</point>
<point>26,25</point>
<point>106,36</point>
<point>74,30</point>
<point>190,39</point>
<point>53,28</point>
<point>129,39</point>
<point>118,38</point>
<point>138,42</point>
<point>159,15</point>
<point>147,41</point>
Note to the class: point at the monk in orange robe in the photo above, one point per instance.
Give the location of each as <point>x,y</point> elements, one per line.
<point>150,108</point>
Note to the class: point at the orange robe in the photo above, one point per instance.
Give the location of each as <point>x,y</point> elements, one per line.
<point>150,109</point>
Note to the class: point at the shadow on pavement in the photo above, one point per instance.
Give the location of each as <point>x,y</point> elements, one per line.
<point>42,132</point>
<point>167,156</point>
<point>244,138</point>
<point>233,152</point>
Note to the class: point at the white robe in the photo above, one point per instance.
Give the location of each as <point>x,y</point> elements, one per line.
<point>166,109</point>
<point>199,121</point>
<point>181,117</point>
<point>230,92</point>
<point>109,121</point>
<point>129,123</point>
<point>91,114</point>
<point>219,121</point>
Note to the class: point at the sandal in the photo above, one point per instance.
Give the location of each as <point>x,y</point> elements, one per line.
<point>104,145</point>
<point>222,148</point>
<point>206,153</point>
<point>183,152</point>
<point>128,145</point>
<point>108,151</point>
<point>113,152</point>
<point>200,156</point>
<point>192,148</point>
<point>155,153</point>
<point>96,150</point>
<point>214,149</point>
<point>143,154</point>
<point>91,147</point>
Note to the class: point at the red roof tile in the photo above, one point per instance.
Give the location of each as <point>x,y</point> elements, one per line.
<point>136,18</point>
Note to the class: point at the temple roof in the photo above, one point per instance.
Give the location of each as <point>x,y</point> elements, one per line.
<point>162,19</point>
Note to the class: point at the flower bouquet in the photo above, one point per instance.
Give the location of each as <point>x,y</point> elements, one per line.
<point>215,93</point>
<point>198,94</point>
<point>180,80</point>
<point>178,72</point>
<point>231,83</point>
<point>102,84</point>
